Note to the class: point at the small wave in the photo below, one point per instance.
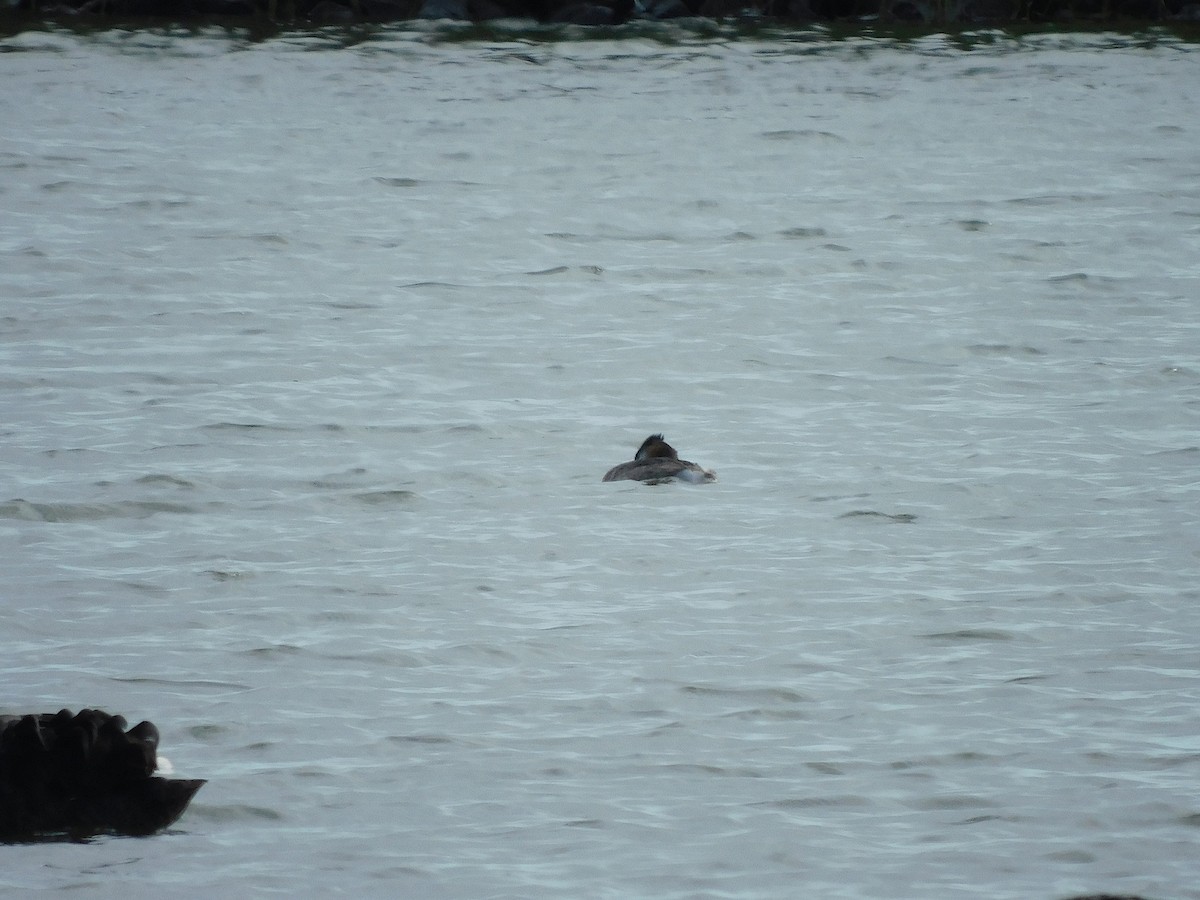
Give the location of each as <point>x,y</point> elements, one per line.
<point>704,769</point>
<point>801,232</point>
<point>420,739</point>
<point>379,498</point>
<point>234,813</point>
<point>844,801</point>
<point>165,479</point>
<point>759,714</point>
<point>269,427</point>
<point>339,481</point>
<point>186,682</point>
<point>208,732</point>
<point>87,512</point>
<point>903,518</point>
<point>1178,451</point>
<point>1005,350</point>
<point>245,426</point>
<point>351,305</point>
<point>564,270</point>
<point>1052,199</point>
<point>954,801</point>
<point>274,650</point>
<point>226,574</point>
<point>785,695</point>
<point>1083,279</point>
<point>584,823</point>
<point>972,634</point>
<point>791,134</point>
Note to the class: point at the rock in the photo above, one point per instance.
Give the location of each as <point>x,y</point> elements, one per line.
<point>327,12</point>
<point>80,775</point>
<point>487,10</point>
<point>590,13</point>
<point>223,7</point>
<point>666,9</point>
<point>445,9</point>
<point>388,10</point>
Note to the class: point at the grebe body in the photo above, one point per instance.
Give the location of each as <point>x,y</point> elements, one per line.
<point>655,462</point>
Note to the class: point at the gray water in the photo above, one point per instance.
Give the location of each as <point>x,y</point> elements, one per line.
<point>314,356</point>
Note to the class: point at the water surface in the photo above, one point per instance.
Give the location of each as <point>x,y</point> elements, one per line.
<point>313,360</point>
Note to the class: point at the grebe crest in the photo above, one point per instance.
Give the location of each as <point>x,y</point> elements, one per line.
<point>655,447</point>
<point>655,462</point>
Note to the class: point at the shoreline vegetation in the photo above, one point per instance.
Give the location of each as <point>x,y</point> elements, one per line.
<point>842,17</point>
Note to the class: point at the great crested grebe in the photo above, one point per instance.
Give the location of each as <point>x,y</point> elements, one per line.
<point>656,461</point>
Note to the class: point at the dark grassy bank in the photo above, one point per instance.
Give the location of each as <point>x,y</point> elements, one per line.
<point>1127,15</point>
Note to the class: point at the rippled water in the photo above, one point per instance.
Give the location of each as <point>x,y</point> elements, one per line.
<point>313,359</point>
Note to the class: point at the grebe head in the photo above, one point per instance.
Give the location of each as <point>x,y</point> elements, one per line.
<point>654,447</point>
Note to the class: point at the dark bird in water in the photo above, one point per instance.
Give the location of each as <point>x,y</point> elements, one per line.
<point>656,461</point>
<point>74,776</point>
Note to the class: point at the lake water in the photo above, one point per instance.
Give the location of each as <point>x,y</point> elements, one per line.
<point>315,352</point>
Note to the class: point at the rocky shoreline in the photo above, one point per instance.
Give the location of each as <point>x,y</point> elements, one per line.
<point>960,13</point>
